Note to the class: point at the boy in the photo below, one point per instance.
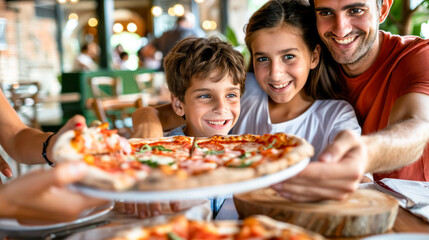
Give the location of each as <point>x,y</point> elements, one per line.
<point>206,79</point>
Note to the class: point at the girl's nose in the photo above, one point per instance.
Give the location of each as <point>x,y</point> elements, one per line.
<point>277,70</point>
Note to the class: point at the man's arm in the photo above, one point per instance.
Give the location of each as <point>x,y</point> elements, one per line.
<point>342,164</point>
<point>149,122</point>
<point>402,142</point>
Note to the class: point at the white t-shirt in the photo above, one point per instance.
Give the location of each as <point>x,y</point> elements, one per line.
<point>319,124</point>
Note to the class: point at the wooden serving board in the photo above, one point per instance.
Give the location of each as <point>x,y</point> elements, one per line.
<point>364,212</point>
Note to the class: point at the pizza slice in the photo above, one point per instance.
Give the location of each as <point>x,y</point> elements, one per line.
<point>109,156</point>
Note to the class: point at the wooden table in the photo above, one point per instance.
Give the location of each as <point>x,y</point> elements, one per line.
<point>405,221</point>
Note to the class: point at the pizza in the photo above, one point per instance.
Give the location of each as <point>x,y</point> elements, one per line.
<point>177,162</point>
<point>179,228</point>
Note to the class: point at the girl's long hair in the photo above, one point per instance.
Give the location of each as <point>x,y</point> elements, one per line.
<point>323,81</point>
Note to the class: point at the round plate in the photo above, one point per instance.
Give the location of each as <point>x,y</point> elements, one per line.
<point>11,225</point>
<point>399,236</point>
<point>202,192</point>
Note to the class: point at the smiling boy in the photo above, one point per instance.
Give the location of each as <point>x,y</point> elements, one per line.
<point>205,77</point>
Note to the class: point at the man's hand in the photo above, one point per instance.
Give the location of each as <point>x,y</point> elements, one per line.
<point>47,199</point>
<point>336,174</point>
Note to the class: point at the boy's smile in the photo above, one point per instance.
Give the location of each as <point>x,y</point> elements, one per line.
<point>211,108</point>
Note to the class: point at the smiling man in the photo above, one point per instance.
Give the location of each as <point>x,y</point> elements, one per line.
<point>387,80</point>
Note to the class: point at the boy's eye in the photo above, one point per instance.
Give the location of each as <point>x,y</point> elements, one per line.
<point>325,13</point>
<point>204,96</point>
<point>262,59</point>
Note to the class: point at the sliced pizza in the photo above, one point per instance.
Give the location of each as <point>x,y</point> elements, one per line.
<point>177,162</point>
<point>179,228</point>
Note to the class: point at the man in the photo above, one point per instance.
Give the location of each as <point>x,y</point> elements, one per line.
<point>184,28</point>
<point>387,79</point>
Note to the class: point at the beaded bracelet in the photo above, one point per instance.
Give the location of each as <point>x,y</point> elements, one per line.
<point>44,154</point>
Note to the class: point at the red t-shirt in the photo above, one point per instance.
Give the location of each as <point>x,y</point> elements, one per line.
<point>402,67</point>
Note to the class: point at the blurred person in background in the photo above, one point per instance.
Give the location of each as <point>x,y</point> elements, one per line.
<point>183,28</point>
<point>85,60</point>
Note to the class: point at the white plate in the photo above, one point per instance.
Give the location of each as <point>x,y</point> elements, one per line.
<point>400,236</point>
<point>11,225</point>
<point>202,192</point>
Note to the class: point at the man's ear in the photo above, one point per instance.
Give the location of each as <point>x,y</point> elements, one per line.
<point>178,106</point>
<point>384,11</point>
<point>315,57</point>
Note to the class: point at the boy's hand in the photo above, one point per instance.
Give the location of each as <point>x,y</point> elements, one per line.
<point>146,123</point>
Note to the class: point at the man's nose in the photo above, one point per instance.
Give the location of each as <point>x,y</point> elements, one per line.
<point>342,26</point>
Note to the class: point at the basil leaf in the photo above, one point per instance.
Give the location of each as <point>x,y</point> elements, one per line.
<point>145,148</point>
<point>242,165</point>
<point>173,236</point>
<point>214,152</point>
<point>150,163</point>
<point>270,145</point>
<point>162,148</point>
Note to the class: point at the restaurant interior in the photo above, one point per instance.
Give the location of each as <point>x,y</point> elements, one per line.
<point>40,41</point>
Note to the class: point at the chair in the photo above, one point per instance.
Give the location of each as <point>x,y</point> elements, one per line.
<point>24,98</point>
<point>105,86</point>
<point>109,105</point>
<point>143,81</point>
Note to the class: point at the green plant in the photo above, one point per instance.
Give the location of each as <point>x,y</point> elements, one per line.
<point>406,17</point>
<point>231,37</point>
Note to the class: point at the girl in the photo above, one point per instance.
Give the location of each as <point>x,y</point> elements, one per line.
<point>289,73</point>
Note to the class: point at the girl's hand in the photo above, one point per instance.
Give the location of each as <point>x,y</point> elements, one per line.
<point>5,168</point>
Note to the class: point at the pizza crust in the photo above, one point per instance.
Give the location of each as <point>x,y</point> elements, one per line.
<point>63,151</point>
<point>157,180</point>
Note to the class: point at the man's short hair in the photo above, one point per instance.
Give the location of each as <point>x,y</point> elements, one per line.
<point>200,57</point>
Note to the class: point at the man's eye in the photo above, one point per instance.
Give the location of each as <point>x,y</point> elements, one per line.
<point>262,59</point>
<point>355,11</point>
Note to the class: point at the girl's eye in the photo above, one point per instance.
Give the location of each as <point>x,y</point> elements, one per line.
<point>204,96</point>
<point>262,59</point>
<point>288,57</point>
